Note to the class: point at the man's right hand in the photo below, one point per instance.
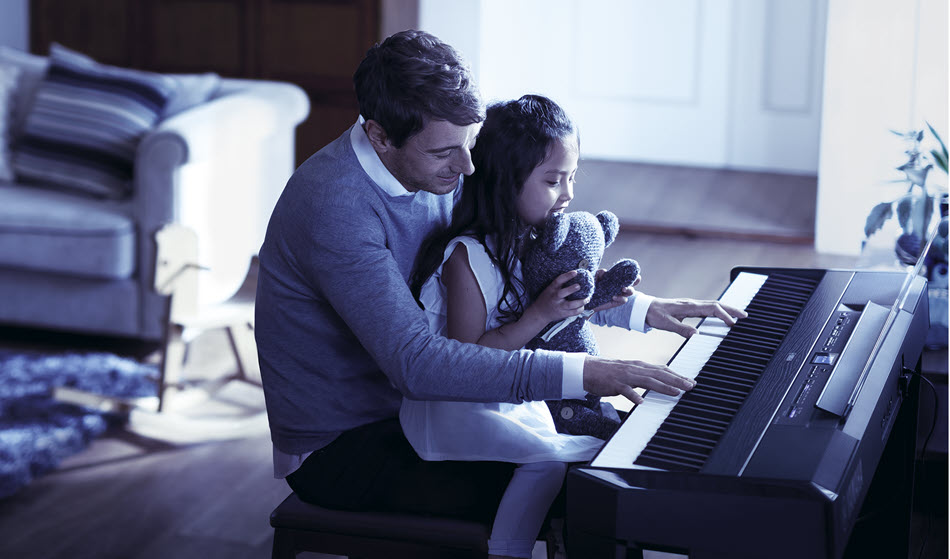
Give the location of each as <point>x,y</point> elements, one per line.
<point>612,377</point>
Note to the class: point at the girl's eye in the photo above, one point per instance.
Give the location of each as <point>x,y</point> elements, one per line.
<point>555,183</point>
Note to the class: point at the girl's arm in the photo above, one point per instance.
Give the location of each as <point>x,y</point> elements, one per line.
<point>466,309</point>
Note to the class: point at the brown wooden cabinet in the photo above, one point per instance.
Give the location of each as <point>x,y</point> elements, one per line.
<point>316,44</point>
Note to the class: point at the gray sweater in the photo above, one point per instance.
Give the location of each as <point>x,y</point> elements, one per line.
<point>340,338</point>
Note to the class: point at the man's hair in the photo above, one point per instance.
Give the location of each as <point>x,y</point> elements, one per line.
<point>412,77</point>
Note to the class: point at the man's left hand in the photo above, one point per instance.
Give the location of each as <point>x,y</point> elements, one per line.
<point>668,314</point>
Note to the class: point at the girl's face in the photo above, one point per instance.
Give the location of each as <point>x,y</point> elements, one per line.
<point>550,186</point>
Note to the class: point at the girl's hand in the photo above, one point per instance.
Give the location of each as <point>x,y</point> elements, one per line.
<point>552,304</point>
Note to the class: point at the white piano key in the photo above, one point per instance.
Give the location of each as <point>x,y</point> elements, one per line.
<point>646,418</point>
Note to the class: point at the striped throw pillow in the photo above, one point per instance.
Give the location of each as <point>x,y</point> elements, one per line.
<point>85,123</point>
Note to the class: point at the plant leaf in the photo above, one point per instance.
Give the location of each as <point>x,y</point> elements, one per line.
<point>879,214</point>
<point>943,146</point>
<point>940,159</point>
<point>904,206</point>
<point>941,156</point>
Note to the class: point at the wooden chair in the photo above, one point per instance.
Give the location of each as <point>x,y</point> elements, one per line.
<point>300,527</point>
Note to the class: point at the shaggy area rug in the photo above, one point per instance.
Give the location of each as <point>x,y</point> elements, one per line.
<point>37,432</point>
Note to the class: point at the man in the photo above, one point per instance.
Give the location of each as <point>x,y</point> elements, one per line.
<point>341,339</point>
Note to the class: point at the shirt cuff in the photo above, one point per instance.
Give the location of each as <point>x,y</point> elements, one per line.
<point>638,315</point>
<point>572,384</point>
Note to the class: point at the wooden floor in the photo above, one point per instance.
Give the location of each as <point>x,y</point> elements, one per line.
<point>196,482</point>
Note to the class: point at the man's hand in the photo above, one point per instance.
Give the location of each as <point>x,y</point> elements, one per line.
<point>668,314</point>
<point>612,377</point>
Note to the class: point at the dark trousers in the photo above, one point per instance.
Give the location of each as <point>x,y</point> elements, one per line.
<point>374,468</point>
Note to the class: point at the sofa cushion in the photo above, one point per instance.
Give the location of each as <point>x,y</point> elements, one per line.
<point>191,90</point>
<point>60,232</point>
<point>9,76</point>
<point>85,123</point>
<point>32,69</point>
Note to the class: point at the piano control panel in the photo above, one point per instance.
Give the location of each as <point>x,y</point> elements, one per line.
<point>818,368</point>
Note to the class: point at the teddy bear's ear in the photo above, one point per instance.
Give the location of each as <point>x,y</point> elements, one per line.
<point>555,231</point>
<point>611,226</point>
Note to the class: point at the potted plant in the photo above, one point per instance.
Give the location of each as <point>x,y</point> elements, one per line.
<point>916,209</point>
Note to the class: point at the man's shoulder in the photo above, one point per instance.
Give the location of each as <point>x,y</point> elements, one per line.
<point>333,176</point>
<point>337,156</point>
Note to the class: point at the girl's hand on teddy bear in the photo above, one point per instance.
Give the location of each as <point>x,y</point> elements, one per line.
<point>553,303</point>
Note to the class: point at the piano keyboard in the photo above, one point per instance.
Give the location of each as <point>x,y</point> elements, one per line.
<point>679,432</point>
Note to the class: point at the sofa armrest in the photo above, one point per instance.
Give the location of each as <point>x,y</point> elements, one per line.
<point>218,169</point>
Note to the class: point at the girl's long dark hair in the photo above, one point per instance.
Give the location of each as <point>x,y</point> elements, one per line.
<point>514,139</point>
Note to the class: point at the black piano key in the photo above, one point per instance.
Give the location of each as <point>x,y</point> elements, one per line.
<point>702,410</point>
<point>741,375</point>
<point>743,379</point>
<point>690,432</point>
<point>675,449</point>
<point>711,429</point>
<point>733,360</point>
<point>724,386</point>
<point>698,446</point>
<point>694,426</point>
<point>727,405</point>
<point>748,349</point>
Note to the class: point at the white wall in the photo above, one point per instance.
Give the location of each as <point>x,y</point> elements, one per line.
<point>14,24</point>
<point>459,24</point>
<point>398,15</point>
<point>885,69</point>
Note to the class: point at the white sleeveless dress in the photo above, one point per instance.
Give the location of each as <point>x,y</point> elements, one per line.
<point>504,432</point>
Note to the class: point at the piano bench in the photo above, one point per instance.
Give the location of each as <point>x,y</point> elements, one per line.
<point>300,527</point>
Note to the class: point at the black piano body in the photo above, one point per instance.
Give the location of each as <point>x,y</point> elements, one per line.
<point>791,473</point>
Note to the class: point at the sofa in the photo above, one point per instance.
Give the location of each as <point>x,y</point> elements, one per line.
<point>96,160</point>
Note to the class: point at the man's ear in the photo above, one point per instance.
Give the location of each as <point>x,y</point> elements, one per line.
<point>378,137</point>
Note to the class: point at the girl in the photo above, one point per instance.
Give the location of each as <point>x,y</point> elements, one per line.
<point>467,278</point>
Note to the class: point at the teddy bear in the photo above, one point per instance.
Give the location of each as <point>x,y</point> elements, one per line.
<point>576,241</point>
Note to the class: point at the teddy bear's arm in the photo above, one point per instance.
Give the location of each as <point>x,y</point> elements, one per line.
<point>612,283</point>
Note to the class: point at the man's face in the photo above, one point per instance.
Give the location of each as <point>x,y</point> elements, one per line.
<point>432,160</point>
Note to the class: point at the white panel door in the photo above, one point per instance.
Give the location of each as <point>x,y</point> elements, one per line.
<point>721,83</point>
<point>778,61</point>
